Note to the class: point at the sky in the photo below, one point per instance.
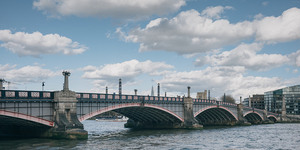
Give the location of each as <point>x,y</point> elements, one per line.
<point>240,48</point>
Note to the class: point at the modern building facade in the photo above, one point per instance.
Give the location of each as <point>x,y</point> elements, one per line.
<point>246,102</point>
<point>291,95</point>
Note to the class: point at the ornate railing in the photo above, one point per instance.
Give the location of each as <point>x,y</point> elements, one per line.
<point>201,101</point>
<point>116,97</point>
<point>47,95</point>
<point>28,95</point>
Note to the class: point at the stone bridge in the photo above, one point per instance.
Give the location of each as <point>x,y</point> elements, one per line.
<point>59,114</point>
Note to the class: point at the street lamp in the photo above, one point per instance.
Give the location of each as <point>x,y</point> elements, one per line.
<point>43,84</point>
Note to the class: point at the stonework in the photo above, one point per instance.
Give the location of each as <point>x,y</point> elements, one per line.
<point>189,119</point>
<point>67,124</point>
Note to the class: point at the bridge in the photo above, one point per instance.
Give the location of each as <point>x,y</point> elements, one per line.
<point>58,114</point>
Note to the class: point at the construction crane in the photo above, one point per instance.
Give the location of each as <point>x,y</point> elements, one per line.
<point>1,84</point>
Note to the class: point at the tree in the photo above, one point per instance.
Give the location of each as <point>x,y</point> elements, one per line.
<point>228,99</point>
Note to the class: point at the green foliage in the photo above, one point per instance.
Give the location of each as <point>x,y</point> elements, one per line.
<point>228,99</point>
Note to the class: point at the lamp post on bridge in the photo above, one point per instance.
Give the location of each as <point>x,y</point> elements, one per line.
<point>189,91</point>
<point>43,84</point>
<point>120,86</point>
<point>158,90</point>
<point>135,92</point>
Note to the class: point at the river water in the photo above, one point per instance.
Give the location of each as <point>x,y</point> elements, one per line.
<point>112,135</point>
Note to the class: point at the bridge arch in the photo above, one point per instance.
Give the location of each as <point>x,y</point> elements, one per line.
<point>216,115</point>
<point>253,117</point>
<point>139,112</point>
<point>272,118</point>
<point>24,119</point>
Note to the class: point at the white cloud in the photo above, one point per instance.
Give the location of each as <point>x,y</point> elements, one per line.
<point>259,16</point>
<point>220,80</point>
<point>215,12</point>
<point>127,70</point>
<point>121,9</point>
<point>279,29</point>
<point>295,58</point>
<point>26,74</point>
<point>190,32</point>
<point>36,44</point>
<point>245,55</point>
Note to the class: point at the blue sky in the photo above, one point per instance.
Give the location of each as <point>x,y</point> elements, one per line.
<point>236,47</point>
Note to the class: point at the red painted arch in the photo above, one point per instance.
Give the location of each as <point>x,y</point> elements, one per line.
<point>110,108</point>
<point>215,106</point>
<point>26,117</point>
<point>273,117</point>
<point>249,112</point>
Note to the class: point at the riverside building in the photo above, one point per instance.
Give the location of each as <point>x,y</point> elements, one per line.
<point>257,101</point>
<point>291,95</point>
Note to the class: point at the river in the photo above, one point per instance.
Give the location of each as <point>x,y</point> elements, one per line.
<point>112,135</point>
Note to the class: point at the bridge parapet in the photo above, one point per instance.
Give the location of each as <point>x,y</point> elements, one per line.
<point>207,101</point>
<point>28,103</point>
<point>126,98</point>
<point>26,95</point>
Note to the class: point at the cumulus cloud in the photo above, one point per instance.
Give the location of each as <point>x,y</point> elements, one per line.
<point>124,9</point>
<point>279,29</point>
<point>295,58</point>
<point>220,80</point>
<point>36,44</point>
<point>26,74</point>
<point>190,32</point>
<point>215,12</point>
<point>127,70</point>
<point>245,55</point>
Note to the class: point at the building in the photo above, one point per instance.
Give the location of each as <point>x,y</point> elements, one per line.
<point>202,95</point>
<point>257,101</point>
<point>291,96</point>
<point>246,102</point>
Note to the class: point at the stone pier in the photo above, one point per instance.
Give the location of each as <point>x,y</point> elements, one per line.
<point>67,125</point>
<point>241,120</point>
<point>189,119</point>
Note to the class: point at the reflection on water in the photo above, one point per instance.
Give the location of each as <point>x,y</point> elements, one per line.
<point>113,135</point>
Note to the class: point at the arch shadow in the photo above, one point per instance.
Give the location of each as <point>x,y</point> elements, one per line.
<point>145,114</point>
<point>24,119</point>
<point>216,115</point>
<point>272,118</point>
<point>253,117</point>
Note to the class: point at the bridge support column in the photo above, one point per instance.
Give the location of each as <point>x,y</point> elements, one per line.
<point>265,117</point>
<point>67,125</point>
<point>189,119</point>
<point>283,117</point>
<point>240,115</point>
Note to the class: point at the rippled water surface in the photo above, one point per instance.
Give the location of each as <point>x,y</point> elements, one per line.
<point>112,135</point>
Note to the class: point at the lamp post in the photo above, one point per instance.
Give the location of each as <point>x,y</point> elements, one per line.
<point>189,91</point>
<point>135,92</point>
<point>43,84</point>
